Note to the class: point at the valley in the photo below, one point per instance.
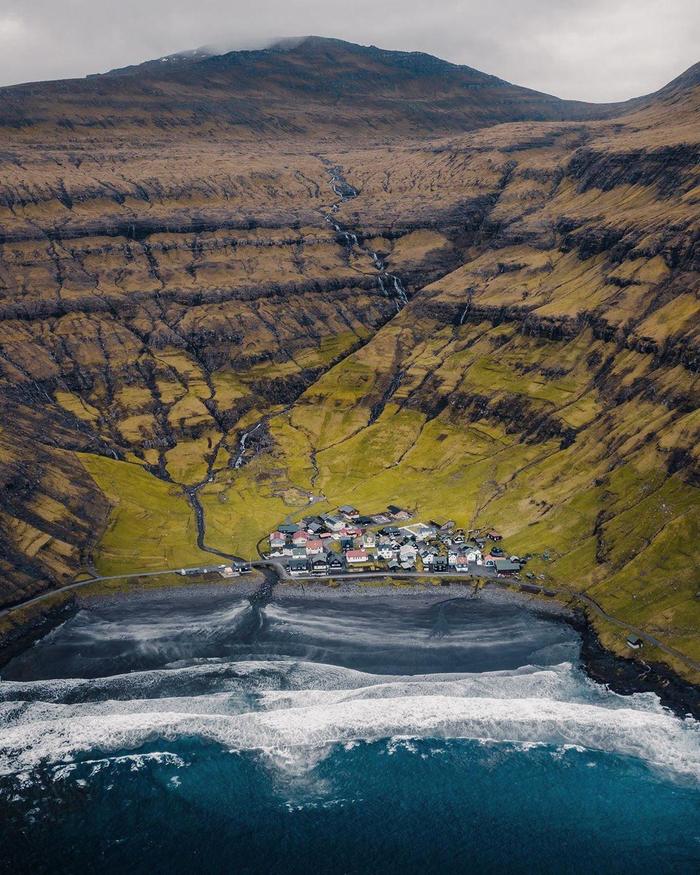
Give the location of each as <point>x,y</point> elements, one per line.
<point>211,315</point>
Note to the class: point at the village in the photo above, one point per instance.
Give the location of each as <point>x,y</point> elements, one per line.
<point>347,541</point>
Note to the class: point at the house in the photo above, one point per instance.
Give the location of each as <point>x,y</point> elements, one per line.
<point>418,531</point>
<point>394,565</point>
<point>298,566</point>
<point>349,511</point>
<point>319,565</point>
<point>299,538</point>
<point>335,562</point>
<point>398,513</point>
<point>314,547</point>
<point>407,553</point>
<point>461,563</point>
<point>369,539</point>
<point>355,556</point>
<point>505,566</point>
<point>452,556</point>
<point>298,552</point>
<point>634,642</point>
<point>277,540</point>
<point>347,542</point>
<point>334,523</point>
<point>386,551</point>
<point>380,519</point>
<point>448,526</point>
<point>439,563</point>
<point>494,536</point>
<point>473,555</point>
<point>288,529</point>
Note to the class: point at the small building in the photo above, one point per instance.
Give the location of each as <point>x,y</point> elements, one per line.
<point>298,566</point>
<point>369,540</point>
<point>505,566</point>
<point>334,523</point>
<point>288,528</point>
<point>407,552</point>
<point>298,552</point>
<point>299,538</point>
<point>353,557</point>
<point>314,547</point>
<point>634,642</point>
<point>277,540</point>
<point>439,563</point>
<point>319,565</point>
<point>335,562</point>
<point>494,536</point>
<point>461,563</point>
<point>349,511</point>
<point>380,519</point>
<point>418,531</point>
<point>386,551</point>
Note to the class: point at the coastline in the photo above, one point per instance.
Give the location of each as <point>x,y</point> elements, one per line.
<point>620,674</point>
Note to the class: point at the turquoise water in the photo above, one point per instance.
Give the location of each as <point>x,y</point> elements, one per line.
<point>189,731</point>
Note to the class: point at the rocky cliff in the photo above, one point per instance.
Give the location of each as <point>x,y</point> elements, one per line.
<point>228,284</point>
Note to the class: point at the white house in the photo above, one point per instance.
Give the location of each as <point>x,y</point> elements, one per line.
<point>314,547</point>
<point>386,551</point>
<point>369,539</point>
<point>407,552</point>
<point>355,556</point>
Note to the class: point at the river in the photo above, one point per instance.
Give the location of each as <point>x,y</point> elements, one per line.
<point>202,730</point>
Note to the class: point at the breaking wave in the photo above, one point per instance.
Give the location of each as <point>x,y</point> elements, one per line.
<point>288,710</point>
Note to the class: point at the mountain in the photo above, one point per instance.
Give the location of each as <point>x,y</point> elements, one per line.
<point>520,352</point>
<point>306,86</point>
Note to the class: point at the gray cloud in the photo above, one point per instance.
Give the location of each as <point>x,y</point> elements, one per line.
<point>584,49</point>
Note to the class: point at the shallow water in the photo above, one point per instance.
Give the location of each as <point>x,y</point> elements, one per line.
<point>187,731</point>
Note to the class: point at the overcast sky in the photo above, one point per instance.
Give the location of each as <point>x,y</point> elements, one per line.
<point>587,49</point>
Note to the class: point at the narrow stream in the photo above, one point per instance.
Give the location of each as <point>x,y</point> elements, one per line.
<point>390,284</point>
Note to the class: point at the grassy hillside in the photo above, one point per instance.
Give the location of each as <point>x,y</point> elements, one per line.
<point>165,289</point>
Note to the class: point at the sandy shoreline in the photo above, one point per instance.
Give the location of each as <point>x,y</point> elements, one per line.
<point>622,675</point>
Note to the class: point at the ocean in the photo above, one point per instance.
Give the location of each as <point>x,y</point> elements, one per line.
<point>373,731</point>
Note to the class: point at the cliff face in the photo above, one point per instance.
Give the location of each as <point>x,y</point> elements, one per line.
<point>208,312</point>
